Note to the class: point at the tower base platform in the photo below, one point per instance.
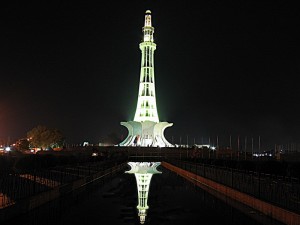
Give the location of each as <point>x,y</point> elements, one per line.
<point>146,134</point>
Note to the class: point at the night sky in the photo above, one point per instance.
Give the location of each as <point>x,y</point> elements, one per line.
<point>222,68</point>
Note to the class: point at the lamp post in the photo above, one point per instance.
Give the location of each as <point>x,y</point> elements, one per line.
<point>252,147</point>
<point>245,147</point>
<point>187,140</point>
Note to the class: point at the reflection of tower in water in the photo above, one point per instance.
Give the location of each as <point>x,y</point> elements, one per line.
<point>143,172</point>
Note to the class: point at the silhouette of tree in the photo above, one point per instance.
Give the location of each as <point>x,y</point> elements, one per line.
<point>43,137</point>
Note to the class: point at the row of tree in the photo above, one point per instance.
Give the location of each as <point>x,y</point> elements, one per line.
<point>41,137</point>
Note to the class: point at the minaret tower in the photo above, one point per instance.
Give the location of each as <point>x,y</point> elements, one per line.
<point>146,105</point>
<point>143,172</point>
<point>145,129</point>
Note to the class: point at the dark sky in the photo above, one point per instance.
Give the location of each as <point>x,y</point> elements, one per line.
<point>221,68</point>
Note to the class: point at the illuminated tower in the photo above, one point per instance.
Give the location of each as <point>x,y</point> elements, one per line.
<point>146,105</point>
<point>143,172</point>
<point>145,129</point>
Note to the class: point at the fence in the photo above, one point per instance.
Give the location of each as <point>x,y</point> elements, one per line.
<point>15,186</point>
<point>278,190</point>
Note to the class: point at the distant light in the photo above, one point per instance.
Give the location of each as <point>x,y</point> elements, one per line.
<point>7,149</point>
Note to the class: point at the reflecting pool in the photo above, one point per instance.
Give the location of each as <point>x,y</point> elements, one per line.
<point>145,193</point>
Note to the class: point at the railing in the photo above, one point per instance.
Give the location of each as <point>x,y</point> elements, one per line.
<point>281,191</point>
<point>15,186</point>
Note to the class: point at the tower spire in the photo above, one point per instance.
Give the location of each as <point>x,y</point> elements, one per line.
<point>148,30</point>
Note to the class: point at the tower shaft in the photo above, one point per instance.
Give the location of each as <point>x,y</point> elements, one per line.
<point>146,109</point>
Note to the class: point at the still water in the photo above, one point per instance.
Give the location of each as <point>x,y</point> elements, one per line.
<point>171,200</point>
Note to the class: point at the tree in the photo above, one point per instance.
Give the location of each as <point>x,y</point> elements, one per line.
<point>43,137</point>
<point>22,145</point>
